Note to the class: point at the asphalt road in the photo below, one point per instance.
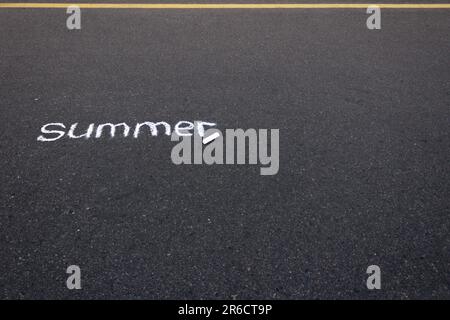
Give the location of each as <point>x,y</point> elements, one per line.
<point>364,154</point>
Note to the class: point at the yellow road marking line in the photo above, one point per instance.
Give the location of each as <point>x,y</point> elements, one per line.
<point>227,6</point>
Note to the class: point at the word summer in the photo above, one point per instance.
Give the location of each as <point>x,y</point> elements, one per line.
<point>56,130</point>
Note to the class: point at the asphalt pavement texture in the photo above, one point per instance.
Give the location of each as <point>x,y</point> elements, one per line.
<point>364,154</point>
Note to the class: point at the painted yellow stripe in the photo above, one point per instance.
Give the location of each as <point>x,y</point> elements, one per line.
<point>228,6</point>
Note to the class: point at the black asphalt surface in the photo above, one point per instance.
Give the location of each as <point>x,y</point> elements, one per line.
<point>364,154</point>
